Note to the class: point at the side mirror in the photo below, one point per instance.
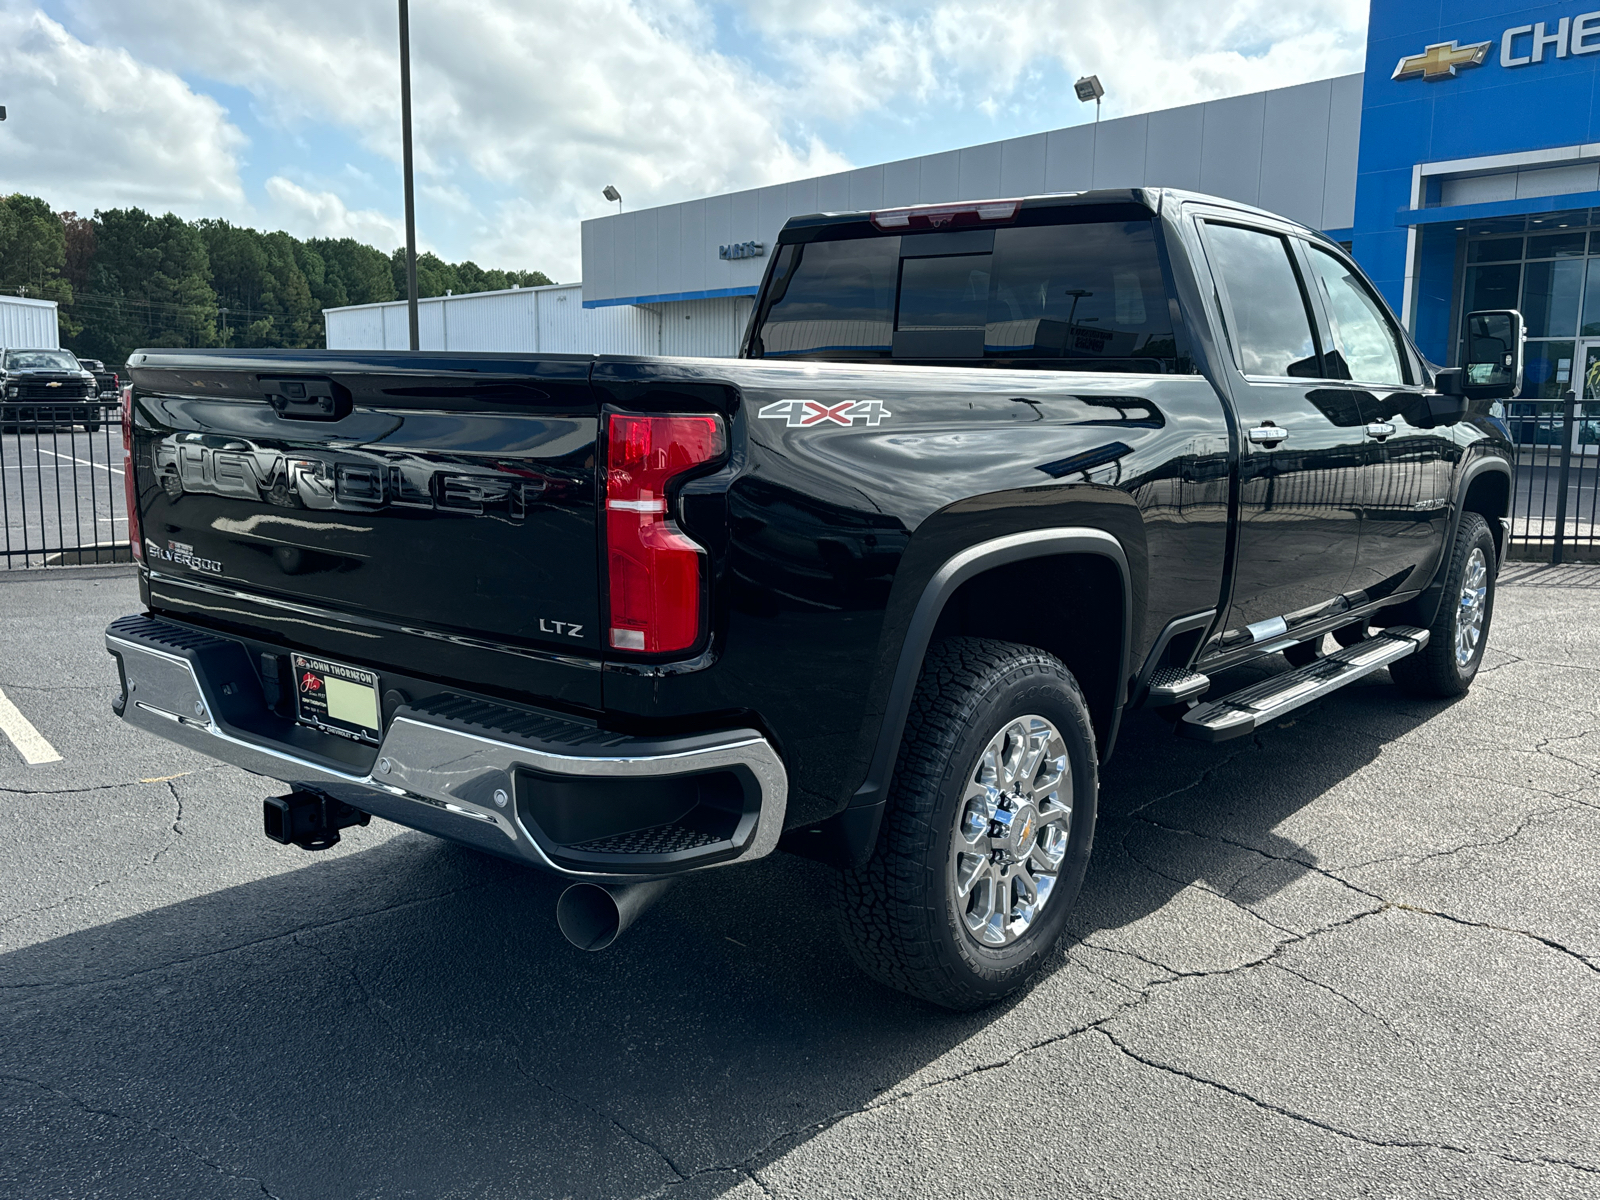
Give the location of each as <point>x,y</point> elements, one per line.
<point>1493,369</point>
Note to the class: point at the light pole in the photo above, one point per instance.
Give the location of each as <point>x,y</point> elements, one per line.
<point>1088,88</point>
<point>405,166</point>
<point>614,196</point>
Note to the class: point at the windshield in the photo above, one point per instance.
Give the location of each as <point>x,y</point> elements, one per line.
<point>40,360</point>
<point>1064,296</point>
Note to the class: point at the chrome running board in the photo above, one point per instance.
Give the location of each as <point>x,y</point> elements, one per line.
<point>1247,709</point>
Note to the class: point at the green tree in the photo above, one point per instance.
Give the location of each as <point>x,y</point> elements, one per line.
<point>125,278</point>
<point>33,252</point>
<point>150,284</point>
<point>354,273</point>
<point>435,277</point>
<point>79,234</point>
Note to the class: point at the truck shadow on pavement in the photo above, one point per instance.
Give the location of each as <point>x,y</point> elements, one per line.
<point>407,1020</point>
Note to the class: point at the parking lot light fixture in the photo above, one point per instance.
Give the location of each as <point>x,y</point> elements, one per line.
<point>1088,88</point>
<point>611,194</point>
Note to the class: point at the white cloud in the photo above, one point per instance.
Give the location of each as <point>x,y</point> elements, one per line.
<point>849,59</point>
<point>525,109</point>
<point>90,127</point>
<point>309,214</point>
<point>547,102</point>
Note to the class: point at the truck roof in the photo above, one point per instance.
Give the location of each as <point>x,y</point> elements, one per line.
<point>1148,198</point>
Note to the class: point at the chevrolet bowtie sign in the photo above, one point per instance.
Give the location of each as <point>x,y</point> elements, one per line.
<point>1442,60</point>
<point>1520,46</point>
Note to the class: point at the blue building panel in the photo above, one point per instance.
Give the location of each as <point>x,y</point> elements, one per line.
<point>1463,81</point>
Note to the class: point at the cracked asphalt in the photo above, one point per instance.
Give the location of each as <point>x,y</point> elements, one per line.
<point>1355,955</point>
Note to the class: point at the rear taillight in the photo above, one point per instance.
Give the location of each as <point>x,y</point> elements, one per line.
<point>129,491</point>
<point>655,571</point>
<point>947,216</point>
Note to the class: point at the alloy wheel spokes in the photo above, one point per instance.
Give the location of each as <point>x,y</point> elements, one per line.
<point>1011,835</point>
<point>1471,607</point>
<point>971,869</point>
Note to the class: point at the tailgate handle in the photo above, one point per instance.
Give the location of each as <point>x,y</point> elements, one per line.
<point>307,399</point>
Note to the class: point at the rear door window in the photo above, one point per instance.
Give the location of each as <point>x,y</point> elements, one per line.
<point>1084,296</point>
<point>1270,325</point>
<point>1092,293</point>
<point>832,300</point>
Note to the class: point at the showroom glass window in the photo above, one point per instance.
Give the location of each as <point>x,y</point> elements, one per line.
<point>1549,268</point>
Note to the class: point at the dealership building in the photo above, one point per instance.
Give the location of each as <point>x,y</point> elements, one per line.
<point>1462,166</point>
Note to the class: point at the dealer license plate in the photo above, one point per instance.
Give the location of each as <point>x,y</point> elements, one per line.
<point>337,698</point>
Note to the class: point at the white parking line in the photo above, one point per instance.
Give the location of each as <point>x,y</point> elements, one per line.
<point>29,741</point>
<point>83,462</point>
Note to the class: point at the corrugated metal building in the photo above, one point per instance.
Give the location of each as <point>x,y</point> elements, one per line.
<point>549,320</point>
<point>679,279</point>
<point>27,324</point>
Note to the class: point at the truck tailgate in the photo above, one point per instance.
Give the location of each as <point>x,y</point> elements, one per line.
<point>400,510</point>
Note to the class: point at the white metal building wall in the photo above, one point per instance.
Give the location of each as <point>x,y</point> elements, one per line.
<point>28,324</point>
<point>1291,150</point>
<point>703,328</point>
<point>547,320</point>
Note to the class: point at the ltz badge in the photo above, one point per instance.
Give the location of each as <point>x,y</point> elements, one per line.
<point>801,413</point>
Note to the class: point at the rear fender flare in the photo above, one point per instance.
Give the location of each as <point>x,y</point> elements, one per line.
<point>957,570</point>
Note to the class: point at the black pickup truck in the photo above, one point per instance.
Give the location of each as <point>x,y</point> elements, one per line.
<point>106,381</point>
<point>46,388</point>
<point>879,591</point>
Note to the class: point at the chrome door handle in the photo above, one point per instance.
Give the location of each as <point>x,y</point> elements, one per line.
<point>1268,434</point>
<point>1380,430</point>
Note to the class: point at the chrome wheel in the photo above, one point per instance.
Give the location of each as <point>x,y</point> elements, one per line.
<point>1012,831</point>
<point>1470,608</point>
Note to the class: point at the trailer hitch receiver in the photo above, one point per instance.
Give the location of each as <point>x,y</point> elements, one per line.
<point>308,819</point>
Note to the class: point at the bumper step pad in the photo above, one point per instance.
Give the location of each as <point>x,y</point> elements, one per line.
<point>1173,685</point>
<point>1245,710</point>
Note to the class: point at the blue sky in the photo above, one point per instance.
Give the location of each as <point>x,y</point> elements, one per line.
<point>284,113</point>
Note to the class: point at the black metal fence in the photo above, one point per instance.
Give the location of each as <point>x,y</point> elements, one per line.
<point>62,500</point>
<point>1555,502</point>
<point>61,490</point>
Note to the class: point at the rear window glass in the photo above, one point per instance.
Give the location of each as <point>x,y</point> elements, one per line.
<point>1086,296</point>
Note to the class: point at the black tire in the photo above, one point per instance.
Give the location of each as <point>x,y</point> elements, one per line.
<point>903,922</point>
<point>91,426</point>
<point>1437,672</point>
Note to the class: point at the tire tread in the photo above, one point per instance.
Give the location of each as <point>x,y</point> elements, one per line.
<point>887,923</point>
<point>1432,671</point>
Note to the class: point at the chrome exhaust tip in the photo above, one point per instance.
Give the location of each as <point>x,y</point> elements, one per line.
<point>592,916</point>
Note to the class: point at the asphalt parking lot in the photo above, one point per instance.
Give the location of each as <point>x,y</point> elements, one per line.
<point>1355,955</point>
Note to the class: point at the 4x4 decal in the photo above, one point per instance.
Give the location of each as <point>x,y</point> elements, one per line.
<point>796,413</point>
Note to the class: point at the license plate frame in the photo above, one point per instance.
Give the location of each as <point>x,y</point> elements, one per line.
<point>338,698</point>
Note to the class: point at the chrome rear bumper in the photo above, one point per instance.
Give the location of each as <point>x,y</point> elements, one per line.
<point>462,768</point>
